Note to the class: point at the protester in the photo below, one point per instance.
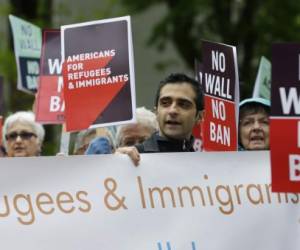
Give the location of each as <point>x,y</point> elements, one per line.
<point>254,124</point>
<point>135,133</point>
<point>179,106</point>
<point>22,136</point>
<point>89,142</point>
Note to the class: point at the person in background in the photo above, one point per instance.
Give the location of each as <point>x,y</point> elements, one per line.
<point>254,124</point>
<point>135,133</point>
<point>22,136</point>
<point>99,145</point>
<point>94,141</point>
<point>179,105</point>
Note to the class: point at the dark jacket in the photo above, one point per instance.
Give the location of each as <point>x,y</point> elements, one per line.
<point>157,144</point>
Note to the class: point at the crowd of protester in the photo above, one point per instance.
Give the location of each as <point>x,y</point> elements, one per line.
<point>179,106</point>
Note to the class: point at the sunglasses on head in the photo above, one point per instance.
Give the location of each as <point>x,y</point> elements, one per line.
<point>24,135</point>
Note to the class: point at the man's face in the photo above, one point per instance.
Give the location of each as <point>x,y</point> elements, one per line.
<point>22,140</point>
<point>134,134</point>
<point>254,131</point>
<point>176,111</point>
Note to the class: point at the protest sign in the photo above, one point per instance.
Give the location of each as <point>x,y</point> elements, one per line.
<point>262,86</point>
<point>198,137</point>
<point>285,117</point>
<point>173,201</point>
<point>221,87</point>
<point>98,73</point>
<point>27,45</point>
<point>197,130</point>
<point>50,103</point>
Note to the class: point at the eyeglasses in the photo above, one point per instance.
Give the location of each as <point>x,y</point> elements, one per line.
<point>24,135</point>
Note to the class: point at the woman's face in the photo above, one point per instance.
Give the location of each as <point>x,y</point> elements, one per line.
<point>254,131</point>
<point>21,140</point>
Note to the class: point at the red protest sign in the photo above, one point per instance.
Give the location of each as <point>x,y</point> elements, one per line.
<point>285,118</point>
<point>198,128</point>
<point>285,160</point>
<point>219,78</point>
<point>98,73</point>
<point>197,133</point>
<point>222,134</point>
<point>50,102</point>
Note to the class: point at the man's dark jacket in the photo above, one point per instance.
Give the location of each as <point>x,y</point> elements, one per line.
<point>156,144</point>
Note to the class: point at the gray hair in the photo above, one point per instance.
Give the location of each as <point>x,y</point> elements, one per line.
<point>144,117</point>
<point>25,117</point>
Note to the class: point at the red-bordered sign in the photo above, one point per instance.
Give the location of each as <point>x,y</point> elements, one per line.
<point>50,104</point>
<point>98,73</point>
<point>285,117</point>
<point>219,78</point>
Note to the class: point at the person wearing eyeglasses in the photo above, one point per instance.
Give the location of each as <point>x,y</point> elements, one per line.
<point>22,135</point>
<point>254,124</point>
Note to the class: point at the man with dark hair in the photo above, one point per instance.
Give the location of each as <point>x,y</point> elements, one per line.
<point>179,78</point>
<point>178,106</point>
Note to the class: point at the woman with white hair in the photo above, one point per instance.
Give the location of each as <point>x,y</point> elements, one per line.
<point>135,133</point>
<point>22,135</point>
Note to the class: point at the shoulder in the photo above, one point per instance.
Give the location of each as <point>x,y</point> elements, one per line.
<point>149,146</point>
<point>140,147</point>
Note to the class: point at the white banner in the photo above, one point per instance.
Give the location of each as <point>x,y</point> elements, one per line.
<point>182,201</point>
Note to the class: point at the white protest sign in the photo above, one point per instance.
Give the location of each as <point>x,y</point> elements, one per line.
<point>27,47</point>
<point>183,201</point>
<point>262,85</point>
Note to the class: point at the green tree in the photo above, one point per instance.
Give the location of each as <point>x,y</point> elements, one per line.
<point>251,25</point>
